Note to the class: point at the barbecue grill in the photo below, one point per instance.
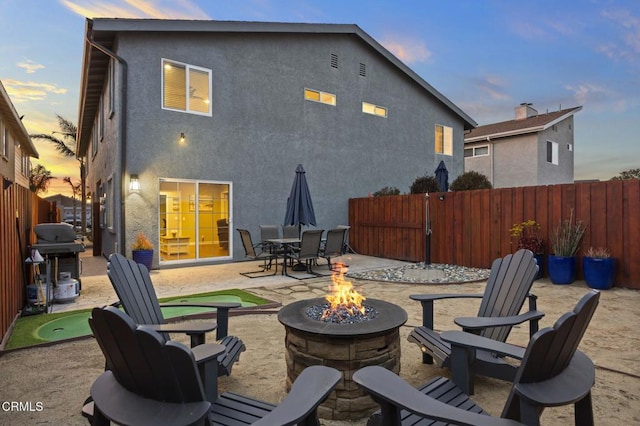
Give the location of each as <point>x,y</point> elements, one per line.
<point>58,244</point>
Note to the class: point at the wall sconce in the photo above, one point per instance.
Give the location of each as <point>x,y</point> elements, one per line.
<point>134,183</point>
<point>182,137</point>
<point>441,197</point>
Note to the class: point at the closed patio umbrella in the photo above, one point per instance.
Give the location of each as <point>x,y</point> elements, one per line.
<point>442,176</point>
<point>299,205</point>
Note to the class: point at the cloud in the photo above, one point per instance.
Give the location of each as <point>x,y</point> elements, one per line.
<point>493,86</point>
<point>30,67</point>
<point>406,49</point>
<point>589,93</point>
<point>22,91</point>
<point>628,26</point>
<point>180,9</point>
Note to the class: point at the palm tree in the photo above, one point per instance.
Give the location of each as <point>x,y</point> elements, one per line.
<point>67,147</point>
<point>75,190</point>
<point>39,179</point>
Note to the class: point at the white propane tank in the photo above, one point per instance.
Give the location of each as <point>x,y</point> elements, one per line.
<point>67,288</point>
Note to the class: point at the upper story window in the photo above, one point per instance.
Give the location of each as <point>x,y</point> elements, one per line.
<point>374,109</point>
<point>318,96</point>
<point>476,151</point>
<point>444,140</point>
<point>112,87</point>
<point>4,140</point>
<point>186,88</point>
<point>552,152</point>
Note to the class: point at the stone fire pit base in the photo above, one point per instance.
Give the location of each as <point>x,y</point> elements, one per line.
<point>347,401</point>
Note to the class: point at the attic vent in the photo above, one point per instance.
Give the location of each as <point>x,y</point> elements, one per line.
<point>334,60</point>
<point>363,70</point>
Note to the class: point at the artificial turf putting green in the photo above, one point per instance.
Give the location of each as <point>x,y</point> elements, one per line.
<point>44,328</point>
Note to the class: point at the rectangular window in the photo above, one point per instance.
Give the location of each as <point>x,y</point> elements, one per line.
<point>186,88</point>
<point>94,141</point>
<point>109,204</point>
<point>374,109</point>
<point>4,139</point>
<point>444,140</point>
<point>101,119</point>
<point>318,96</point>
<point>552,152</point>
<point>476,151</point>
<point>112,86</point>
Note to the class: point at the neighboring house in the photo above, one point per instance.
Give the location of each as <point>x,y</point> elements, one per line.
<point>534,149</point>
<point>16,147</point>
<point>70,208</point>
<point>192,129</point>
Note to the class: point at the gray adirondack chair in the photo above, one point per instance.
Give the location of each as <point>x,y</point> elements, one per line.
<point>155,382</point>
<point>507,289</point>
<point>134,288</point>
<point>552,373</point>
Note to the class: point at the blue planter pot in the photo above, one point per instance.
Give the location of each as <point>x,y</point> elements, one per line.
<point>562,270</point>
<point>144,257</point>
<point>598,272</point>
<point>540,262</point>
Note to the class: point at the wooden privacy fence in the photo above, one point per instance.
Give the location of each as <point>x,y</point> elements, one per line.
<point>20,210</point>
<point>471,228</point>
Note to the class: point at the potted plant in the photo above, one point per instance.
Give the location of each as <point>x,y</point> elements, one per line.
<point>565,242</point>
<point>599,268</point>
<point>142,250</point>
<point>528,235</point>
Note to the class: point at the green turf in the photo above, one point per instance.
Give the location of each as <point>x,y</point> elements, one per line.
<point>43,328</point>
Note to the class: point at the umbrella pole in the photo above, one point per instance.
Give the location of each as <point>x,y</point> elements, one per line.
<point>427,250</point>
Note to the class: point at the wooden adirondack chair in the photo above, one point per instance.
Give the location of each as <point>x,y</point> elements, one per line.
<point>507,289</point>
<point>155,382</point>
<point>552,373</point>
<point>134,288</point>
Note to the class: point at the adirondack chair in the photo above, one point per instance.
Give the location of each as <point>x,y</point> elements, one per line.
<point>552,373</point>
<point>155,382</point>
<point>507,289</point>
<point>134,288</point>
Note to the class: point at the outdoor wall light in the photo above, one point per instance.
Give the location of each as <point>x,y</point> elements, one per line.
<point>182,138</point>
<point>134,183</point>
<point>441,197</point>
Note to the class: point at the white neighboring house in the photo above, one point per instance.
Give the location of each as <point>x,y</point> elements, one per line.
<point>16,147</point>
<point>533,149</point>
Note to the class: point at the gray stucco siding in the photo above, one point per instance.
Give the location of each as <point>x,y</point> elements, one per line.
<point>262,127</point>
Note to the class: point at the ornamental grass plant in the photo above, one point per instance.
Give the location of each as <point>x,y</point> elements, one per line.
<point>566,239</point>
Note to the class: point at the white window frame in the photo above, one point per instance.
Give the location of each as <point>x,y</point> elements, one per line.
<point>112,87</point>
<point>323,97</point>
<point>4,140</point>
<point>109,207</point>
<point>188,68</point>
<point>447,140</point>
<point>554,152</point>
<point>473,151</point>
<point>373,109</point>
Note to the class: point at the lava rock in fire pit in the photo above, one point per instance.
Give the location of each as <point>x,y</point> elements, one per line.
<point>341,315</point>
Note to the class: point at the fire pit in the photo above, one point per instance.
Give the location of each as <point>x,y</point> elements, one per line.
<point>333,334</point>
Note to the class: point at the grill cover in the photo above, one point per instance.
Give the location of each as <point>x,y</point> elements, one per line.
<point>55,233</point>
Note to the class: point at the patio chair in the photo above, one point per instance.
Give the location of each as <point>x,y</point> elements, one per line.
<point>257,252</point>
<point>333,245</point>
<point>134,288</point>
<point>290,231</point>
<point>155,382</point>
<point>552,373</point>
<point>309,249</point>
<point>507,289</point>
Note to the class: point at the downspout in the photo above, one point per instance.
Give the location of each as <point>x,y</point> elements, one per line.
<point>123,138</point>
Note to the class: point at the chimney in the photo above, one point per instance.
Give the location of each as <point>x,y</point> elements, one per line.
<point>525,110</point>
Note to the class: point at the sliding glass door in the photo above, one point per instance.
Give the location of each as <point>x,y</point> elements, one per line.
<point>194,220</point>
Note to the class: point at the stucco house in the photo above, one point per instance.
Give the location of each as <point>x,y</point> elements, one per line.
<point>532,149</point>
<point>16,147</point>
<point>191,129</point>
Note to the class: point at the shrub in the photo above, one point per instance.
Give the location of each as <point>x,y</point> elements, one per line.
<point>424,184</point>
<point>566,238</point>
<point>470,180</point>
<point>387,190</point>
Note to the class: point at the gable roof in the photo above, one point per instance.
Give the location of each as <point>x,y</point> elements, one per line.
<point>13,121</point>
<point>532,124</point>
<point>100,34</point>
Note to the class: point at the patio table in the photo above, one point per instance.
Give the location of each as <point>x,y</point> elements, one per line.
<point>286,244</point>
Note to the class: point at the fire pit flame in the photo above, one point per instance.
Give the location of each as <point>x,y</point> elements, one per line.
<point>344,299</point>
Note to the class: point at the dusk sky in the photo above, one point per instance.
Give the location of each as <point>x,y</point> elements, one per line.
<point>486,56</point>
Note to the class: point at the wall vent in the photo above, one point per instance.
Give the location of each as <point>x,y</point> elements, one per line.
<point>363,70</point>
<point>334,60</point>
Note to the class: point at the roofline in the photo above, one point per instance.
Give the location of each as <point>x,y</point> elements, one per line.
<point>22,134</point>
<point>526,130</point>
<point>161,25</point>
